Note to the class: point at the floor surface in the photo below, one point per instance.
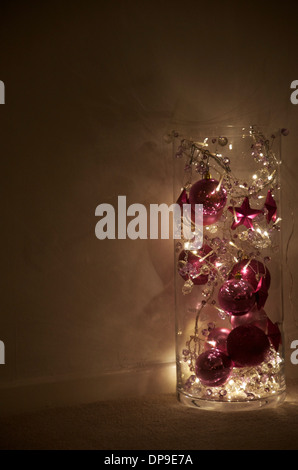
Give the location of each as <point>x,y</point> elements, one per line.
<point>152,422</point>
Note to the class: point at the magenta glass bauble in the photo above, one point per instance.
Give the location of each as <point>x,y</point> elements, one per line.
<point>247,345</point>
<point>190,264</point>
<point>213,367</point>
<point>251,271</point>
<point>254,317</point>
<point>212,196</point>
<point>236,297</point>
<point>217,339</point>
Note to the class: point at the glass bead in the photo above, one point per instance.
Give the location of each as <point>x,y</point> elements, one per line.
<point>187,287</point>
<point>222,315</point>
<point>223,270</point>
<point>212,228</point>
<point>216,241</point>
<point>222,141</point>
<point>200,170</point>
<point>260,183</point>
<point>206,292</point>
<point>205,270</point>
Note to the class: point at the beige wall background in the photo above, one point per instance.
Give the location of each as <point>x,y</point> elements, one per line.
<point>91,88</point>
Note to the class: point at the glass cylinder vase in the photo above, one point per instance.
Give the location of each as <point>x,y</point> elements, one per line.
<point>229,312</point>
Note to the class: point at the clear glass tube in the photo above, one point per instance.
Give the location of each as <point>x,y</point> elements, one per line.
<point>229,311</point>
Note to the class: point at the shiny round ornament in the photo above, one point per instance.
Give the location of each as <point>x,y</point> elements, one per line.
<point>217,339</point>
<point>254,317</point>
<point>212,196</point>
<point>247,345</point>
<point>192,266</point>
<point>251,271</point>
<point>236,297</point>
<point>213,368</point>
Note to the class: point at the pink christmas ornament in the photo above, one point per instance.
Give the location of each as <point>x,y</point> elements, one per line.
<point>212,195</point>
<point>247,345</point>
<point>190,264</point>
<point>254,317</point>
<point>236,297</point>
<point>251,271</point>
<point>213,368</point>
<point>217,339</point>
<point>243,215</point>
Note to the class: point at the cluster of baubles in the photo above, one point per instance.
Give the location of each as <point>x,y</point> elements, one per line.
<point>247,342</point>
<point>213,196</point>
<point>242,295</point>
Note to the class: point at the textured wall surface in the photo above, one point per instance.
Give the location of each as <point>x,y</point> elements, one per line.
<point>91,88</point>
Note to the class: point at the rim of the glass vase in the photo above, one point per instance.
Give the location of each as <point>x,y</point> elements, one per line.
<point>196,130</point>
